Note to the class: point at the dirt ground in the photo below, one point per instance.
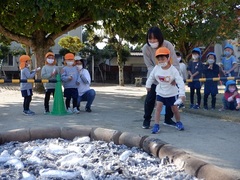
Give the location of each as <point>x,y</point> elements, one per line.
<point>213,139</point>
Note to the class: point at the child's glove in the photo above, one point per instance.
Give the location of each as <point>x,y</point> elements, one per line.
<point>230,99</point>
<point>178,101</point>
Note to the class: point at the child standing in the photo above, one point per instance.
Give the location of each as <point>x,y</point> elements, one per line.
<point>229,63</point>
<point>49,71</point>
<point>210,70</point>
<point>167,94</point>
<point>231,98</point>
<point>195,71</point>
<point>70,78</point>
<point>26,88</point>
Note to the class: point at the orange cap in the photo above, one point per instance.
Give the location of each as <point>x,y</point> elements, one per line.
<point>24,58</point>
<point>49,54</point>
<point>162,51</point>
<point>69,56</point>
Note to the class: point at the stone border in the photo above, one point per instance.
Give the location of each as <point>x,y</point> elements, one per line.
<point>154,146</point>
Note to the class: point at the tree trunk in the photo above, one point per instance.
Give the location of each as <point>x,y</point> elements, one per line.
<point>120,68</point>
<point>40,46</point>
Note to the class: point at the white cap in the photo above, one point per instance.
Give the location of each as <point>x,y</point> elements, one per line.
<point>78,58</point>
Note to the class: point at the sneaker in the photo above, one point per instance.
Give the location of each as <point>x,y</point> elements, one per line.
<point>169,122</point>
<point>46,112</point>
<point>155,129</point>
<point>179,126</point>
<point>28,113</point>
<point>69,110</point>
<point>191,106</point>
<point>88,109</point>
<point>196,106</point>
<point>205,108</point>
<point>221,109</point>
<point>75,111</point>
<point>146,124</point>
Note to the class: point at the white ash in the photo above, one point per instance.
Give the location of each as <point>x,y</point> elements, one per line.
<point>59,159</point>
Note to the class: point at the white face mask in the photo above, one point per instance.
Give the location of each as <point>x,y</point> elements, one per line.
<point>154,45</point>
<point>29,65</point>
<point>69,63</point>
<point>195,56</point>
<point>79,67</point>
<point>50,61</point>
<point>179,58</point>
<point>164,64</point>
<point>210,61</point>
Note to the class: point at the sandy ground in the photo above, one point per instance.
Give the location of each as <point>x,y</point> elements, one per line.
<point>115,107</point>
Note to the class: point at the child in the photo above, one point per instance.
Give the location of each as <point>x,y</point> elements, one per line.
<point>229,63</point>
<point>210,70</point>
<point>167,94</point>
<point>84,91</point>
<point>231,98</point>
<point>26,88</point>
<point>70,78</point>
<point>49,71</point>
<point>183,72</point>
<point>182,66</point>
<point>195,71</point>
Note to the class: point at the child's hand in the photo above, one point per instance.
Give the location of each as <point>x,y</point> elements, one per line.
<point>180,100</point>
<point>230,99</point>
<point>70,77</point>
<point>148,89</point>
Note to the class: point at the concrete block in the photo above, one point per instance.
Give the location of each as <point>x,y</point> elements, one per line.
<point>22,135</point>
<point>131,139</point>
<point>104,134</point>
<point>211,172</point>
<point>43,133</point>
<point>191,164</point>
<point>152,145</point>
<point>77,131</point>
<point>171,152</point>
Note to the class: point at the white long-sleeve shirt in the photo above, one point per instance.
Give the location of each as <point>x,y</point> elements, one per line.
<point>85,81</point>
<point>164,77</point>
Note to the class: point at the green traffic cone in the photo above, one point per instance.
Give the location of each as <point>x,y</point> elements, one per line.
<point>58,102</point>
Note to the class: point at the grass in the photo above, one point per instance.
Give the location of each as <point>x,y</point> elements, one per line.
<point>227,115</point>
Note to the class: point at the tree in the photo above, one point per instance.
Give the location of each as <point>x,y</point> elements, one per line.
<point>38,23</point>
<point>72,43</point>
<point>199,23</point>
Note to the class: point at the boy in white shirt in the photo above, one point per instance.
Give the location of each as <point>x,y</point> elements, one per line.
<point>167,94</point>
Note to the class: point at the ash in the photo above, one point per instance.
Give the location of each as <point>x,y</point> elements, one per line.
<point>59,159</point>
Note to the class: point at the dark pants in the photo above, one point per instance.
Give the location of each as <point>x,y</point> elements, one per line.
<point>47,98</point>
<point>149,105</point>
<point>26,102</point>
<point>192,92</point>
<point>205,100</point>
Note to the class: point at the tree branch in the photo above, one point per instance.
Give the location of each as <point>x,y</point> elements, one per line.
<point>15,37</point>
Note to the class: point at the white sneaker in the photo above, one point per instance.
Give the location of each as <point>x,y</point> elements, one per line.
<point>69,110</point>
<point>75,110</point>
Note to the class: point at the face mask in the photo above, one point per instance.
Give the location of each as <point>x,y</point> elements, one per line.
<point>164,64</point>
<point>195,57</point>
<point>69,63</point>
<point>79,67</point>
<point>179,58</point>
<point>227,53</point>
<point>232,89</point>
<point>210,61</point>
<point>50,61</point>
<point>154,45</point>
<point>28,66</point>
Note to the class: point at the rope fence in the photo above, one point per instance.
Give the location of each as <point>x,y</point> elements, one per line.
<point>54,81</point>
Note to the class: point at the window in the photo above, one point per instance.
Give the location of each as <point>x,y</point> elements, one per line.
<point>8,61</point>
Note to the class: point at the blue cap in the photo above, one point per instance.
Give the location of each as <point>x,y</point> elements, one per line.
<point>212,53</point>
<point>197,50</point>
<point>228,46</point>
